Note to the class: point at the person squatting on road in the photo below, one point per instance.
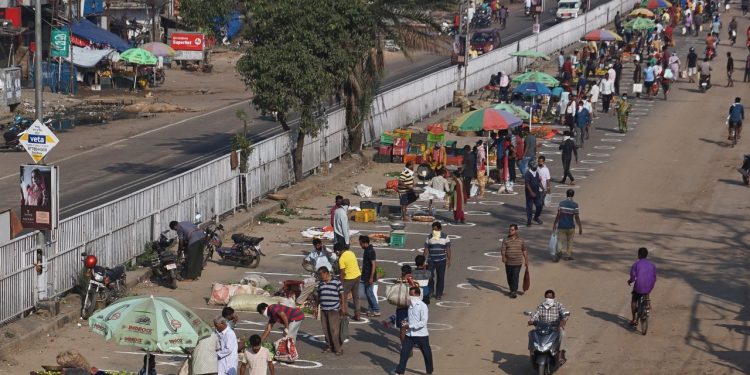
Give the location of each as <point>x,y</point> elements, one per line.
<point>514,255</point>
<point>291,317</point>
<point>416,333</point>
<point>332,308</point>
<point>437,250</point>
<point>552,312</point>
<point>193,239</point>
<point>643,279</point>
<point>565,225</point>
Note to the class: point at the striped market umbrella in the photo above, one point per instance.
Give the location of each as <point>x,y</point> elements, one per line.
<point>599,35</point>
<point>513,109</point>
<point>532,89</point>
<point>640,24</point>
<point>487,119</point>
<point>642,12</point>
<point>654,4</point>
<point>159,49</point>
<point>538,77</point>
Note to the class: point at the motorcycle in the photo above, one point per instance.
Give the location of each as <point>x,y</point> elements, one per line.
<point>745,170</point>
<point>213,241</point>
<point>152,75</point>
<point>106,285</point>
<point>12,136</point>
<point>710,53</point>
<point>733,36</point>
<point>704,83</point>
<point>245,251</point>
<point>481,21</point>
<point>546,356</point>
<point>164,267</point>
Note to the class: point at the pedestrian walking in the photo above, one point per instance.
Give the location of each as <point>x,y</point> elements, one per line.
<point>204,360</point>
<point>336,204</point>
<point>565,224</point>
<point>649,77</point>
<point>503,16</point>
<point>469,170</point>
<point>607,89</point>
<point>257,358</point>
<point>583,119</point>
<point>369,276</point>
<point>458,198</point>
<point>191,241</point>
<point>290,317</point>
<point>544,176</point>
<point>674,65</point>
<point>730,69</point>
<point>437,250</point>
<point>617,67</point>
<point>568,148</point>
<point>697,23</point>
<point>534,197</point>
<point>227,349</point>
<point>350,275</point>
<point>416,333</point>
<point>622,109</point>
<point>341,224</point>
<point>406,195</point>
<point>514,255</point>
<point>560,63</point>
<point>594,98</point>
<point>332,301</point>
<point>402,312</point>
<point>746,78</point>
<point>692,64</point>
<point>530,147</point>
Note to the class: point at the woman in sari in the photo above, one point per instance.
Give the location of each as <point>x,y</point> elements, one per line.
<point>458,198</point>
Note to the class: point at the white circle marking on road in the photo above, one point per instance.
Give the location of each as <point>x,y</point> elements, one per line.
<point>442,326</point>
<point>460,224</point>
<point>483,268</point>
<point>453,304</point>
<point>557,195</point>
<point>614,134</point>
<point>604,147</point>
<point>495,203</point>
<point>611,140</point>
<point>592,161</point>
<point>477,213</point>
<point>597,155</point>
<point>388,280</point>
<point>493,254</point>
<point>363,320</point>
<point>550,152</point>
<point>312,364</point>
<point>567,186</point>
<point>577,169</point>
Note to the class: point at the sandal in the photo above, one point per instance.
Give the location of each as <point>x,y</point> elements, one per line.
<point>373,315</point>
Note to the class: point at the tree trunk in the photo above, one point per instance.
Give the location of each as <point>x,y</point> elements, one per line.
<point>282,120</point>
<point>297,156</point>
<point>355,137</point>
<point>353,128</point>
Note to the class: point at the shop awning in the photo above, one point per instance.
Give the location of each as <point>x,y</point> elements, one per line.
<point>87,57</point>
<point>88,30</point>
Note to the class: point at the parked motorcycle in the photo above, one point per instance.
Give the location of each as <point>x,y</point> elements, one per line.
<point>164,268</point>
<point>213,241</point>
<point>12,136</point>
<point>105,286</point>
<point>745,170</point>
<point>545,358</point>
<point>153,75</point>
<point>245,251</point>
<point>704,83</point>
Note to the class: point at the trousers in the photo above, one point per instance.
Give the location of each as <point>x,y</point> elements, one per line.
<point>331,322</point>
<point>437,276</point>
<point>512,273</point>
<point>566,170</point>
<point>565,240</point>
<point>423,343</point>
<point>352,286</point>
<point>534,207</point>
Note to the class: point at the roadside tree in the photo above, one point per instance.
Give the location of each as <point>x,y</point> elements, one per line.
<point>202,14</point>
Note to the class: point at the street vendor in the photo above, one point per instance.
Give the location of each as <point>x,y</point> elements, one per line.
<point>320,256</point>
<point>290,317</point>
<point>437,157</point>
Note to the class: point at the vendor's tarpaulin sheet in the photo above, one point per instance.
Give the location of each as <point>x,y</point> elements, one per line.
<point>88,30</point>
<point>87,57</point>
<point>314,232</point>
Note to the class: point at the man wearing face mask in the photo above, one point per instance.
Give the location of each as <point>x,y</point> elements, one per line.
<point>534,194</point>
<point>341,224</point>
<point>437,250</point>
<point>416,333</point>
<point>552,312</point>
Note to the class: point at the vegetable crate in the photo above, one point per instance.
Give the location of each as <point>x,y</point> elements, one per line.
<point>398,238</point>
<point>419,138</point>
<point>365,216</point>
<point>385,150</point>
<point>417,148</point>
<point>403,133</point>
<point>386,138</point>
<point>434,138</point>
<point>410,157</point>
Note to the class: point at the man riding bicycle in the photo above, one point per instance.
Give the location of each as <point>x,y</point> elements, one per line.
<point>736,115</point>
<point>643,274</point>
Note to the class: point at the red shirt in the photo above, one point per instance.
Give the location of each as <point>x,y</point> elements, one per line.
<point>293,314</point>
<point>333,212</point>
<point>519,148</point>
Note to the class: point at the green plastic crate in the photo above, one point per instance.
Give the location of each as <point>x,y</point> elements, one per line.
<point>398,238</point>
<point>432,138</point>
<point>386,139</point>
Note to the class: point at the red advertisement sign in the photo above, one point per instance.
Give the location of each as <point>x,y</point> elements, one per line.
<point>188,41</point>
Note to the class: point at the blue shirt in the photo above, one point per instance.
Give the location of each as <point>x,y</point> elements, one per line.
<point>437,249</point>
<point>418,316</point>
<point>736,112</point>
<point>567,209</point>
<point>648,74</point>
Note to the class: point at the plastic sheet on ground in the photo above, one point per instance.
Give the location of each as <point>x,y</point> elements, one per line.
<point>363,191</point>
<point>430,193</point>
<point>317,232</point>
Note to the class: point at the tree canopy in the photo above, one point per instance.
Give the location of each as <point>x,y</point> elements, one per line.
<point>201,14</point>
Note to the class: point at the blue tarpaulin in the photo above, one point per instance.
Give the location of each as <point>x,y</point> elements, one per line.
<point>88,30</point>
<point>93,7</point>
<point>56,81</point>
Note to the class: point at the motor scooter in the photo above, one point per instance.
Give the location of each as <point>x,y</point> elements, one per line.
<point>105,285</point>
<point>546,346</point>
<point>245,251</point>
<point>164,267</point>
<point>704,83</point>
<point>745,170</point>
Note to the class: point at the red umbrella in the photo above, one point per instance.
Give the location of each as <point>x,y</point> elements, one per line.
<point>602,35</point>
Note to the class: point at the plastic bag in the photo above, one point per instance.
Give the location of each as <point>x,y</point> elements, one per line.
<point>397,294</point>
<point>362,294</point>
<point>552,246</point>
<point>286,350</point>
<point>363,191</point>
<point>221,294</point>
<point>474,190</point>
<point>255,280</point>
<point>250,302</point>
<point>547,200</point>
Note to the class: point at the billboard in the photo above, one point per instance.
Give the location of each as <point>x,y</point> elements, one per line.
<point>188,42</point>
<point>39,196</point>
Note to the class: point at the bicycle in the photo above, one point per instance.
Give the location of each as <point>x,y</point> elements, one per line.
<point>733,135</point>
<point>641,316</point>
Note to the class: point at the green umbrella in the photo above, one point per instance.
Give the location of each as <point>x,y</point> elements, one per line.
<point>138,56</point>
<point>513,109</point>
<point>640,24</point>
<point>154,324</point>
<point>539,77</point>
<point>530,53</point>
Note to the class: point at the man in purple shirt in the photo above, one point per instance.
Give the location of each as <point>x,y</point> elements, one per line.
<point>643,274</point>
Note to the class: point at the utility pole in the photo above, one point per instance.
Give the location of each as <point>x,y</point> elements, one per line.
<point>467,44</point>
<point>38,59</point>
<point>458,38</point>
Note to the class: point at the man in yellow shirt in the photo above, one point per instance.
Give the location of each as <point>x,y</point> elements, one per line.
<point>350,274</point>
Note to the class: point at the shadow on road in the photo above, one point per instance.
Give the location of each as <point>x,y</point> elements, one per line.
<point>511,363</point>
<point>608,317</point>
<point>731,182</point>
<point>385,363</point>
<point>482,284</point>
<point>718,143</point>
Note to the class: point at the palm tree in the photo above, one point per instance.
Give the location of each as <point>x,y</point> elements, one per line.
<point>409,25</point>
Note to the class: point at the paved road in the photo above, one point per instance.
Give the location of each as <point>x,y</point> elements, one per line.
<point>638,189</point>
<point>96,176</point>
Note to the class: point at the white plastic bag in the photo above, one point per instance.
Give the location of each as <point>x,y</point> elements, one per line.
<point>363,191</point>
<point>474,190</point>
<point>547,200</point>
<point>552,246</point>
<point>255,280</point>
<point>397,294</point>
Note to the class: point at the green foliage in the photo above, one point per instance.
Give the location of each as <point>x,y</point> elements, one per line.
<point>263,218</point>
<point>380,272</point>
<point>148,255</point>
<point>239,142</point>
<point>200,14</point>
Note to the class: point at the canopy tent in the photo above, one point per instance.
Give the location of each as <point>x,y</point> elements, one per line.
<point>88,30</point>
<point>87,57</point>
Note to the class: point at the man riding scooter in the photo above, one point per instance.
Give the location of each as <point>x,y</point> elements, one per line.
<point>552,313</point>
<point>705,74</point>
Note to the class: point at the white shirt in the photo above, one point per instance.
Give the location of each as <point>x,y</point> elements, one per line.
<point>545,175</point>
<point>258,362</point>
<point>418,316</point>
<point>607,87</point>
<point>611,74</point>
<point>204,359</point>
<point>594,92</point>
<point>226,352</point>
<point>587,105</point>
<point>320,259</point>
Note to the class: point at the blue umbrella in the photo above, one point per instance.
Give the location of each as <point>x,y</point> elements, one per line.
<point>532,89</point>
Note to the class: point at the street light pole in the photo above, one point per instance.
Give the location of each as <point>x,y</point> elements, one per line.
<point>38,59</point>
